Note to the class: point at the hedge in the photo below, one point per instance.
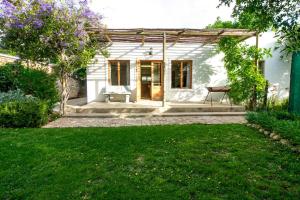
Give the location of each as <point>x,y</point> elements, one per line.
<point>31,81</point>
<point>286,126</point>
<point>23,113</point>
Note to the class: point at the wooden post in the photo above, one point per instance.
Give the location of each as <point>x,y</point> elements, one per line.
<point>254,95</point>
<point>164,69</point>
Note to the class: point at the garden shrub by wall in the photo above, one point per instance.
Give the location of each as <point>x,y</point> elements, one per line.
<point>287,126</point>
<point>17,110</point>
<point>31,81</point>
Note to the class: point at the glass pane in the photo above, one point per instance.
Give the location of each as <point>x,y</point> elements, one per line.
<point>186,75</point>
<point>175,74</point>
<point>146,74</point>
<point>157,74</point>
<point>114,73</point>
<point>124,73</point>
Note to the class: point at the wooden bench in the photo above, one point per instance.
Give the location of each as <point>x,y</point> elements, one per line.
<point>117,91</point>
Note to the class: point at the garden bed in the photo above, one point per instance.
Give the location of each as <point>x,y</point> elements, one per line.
<point>281,123</point>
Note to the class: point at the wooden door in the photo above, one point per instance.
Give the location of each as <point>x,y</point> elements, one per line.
<point>146,81</point>
<point>156,84</point>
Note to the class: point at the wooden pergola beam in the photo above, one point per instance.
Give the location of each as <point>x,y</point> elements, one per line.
<point>178,37</point>
<point>172,35</point>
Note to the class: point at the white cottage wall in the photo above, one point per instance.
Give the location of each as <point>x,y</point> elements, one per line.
<point>207,69</point>
<point>277,70</point>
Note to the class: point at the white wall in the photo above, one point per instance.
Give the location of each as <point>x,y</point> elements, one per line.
<point>277,71</point>
<point>207,69</point>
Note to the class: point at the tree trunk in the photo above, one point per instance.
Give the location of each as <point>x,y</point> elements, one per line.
<point>265,102</point>
<point>64,94</point>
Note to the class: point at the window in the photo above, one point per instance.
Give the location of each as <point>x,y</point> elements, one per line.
<point>119,72</point>
<point>181,74</point>
<point>157,74</point>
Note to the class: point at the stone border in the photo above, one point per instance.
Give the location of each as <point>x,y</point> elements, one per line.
<point>275,137</point>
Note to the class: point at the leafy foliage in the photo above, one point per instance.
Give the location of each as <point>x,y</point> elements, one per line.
<point>241,69</point>
<point>17,110</point>
<point>31,81</point>
<point>289,39</point>
<point>51,31</point>
<point>14,95</point>
<point>266,13</point>
<point>240,62</point>
<point>285,125</point>
<point>80,74</point>
<point>261,15</point>
<point>224,24</point>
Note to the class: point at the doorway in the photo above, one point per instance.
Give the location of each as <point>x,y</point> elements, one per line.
<point>151,85</point>
<point>146,81</point>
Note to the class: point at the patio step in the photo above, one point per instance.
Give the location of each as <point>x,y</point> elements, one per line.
<point>115,110</point>
<point>135,115</point>
<point>198,109</point>
<point>171,109</point>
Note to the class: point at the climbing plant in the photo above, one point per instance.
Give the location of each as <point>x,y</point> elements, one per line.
<point>239,60</point>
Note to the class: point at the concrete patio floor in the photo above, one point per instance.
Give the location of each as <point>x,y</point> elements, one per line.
<point>144,113</point>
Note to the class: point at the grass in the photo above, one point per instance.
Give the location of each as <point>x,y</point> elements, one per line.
<point>157,162</point>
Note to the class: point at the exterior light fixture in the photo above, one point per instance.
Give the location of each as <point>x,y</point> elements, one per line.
<point>150,51</point>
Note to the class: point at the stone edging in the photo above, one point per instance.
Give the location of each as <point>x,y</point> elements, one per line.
<point>276,137</point>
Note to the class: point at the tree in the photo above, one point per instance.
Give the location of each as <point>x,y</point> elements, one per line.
<point>283,16</point>
<point>49,31</point>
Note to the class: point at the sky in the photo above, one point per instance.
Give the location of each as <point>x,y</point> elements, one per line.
<point>159,13</point>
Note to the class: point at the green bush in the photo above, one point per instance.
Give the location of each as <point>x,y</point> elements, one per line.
<point>31,81</point>
<point>30,112</point>
<point>14,95</point>
<point>288,128</point>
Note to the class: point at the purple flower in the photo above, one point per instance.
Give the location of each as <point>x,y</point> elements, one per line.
<point>88,13</point>
<point>83,2</point>
<point>17,25</point>
<point>45,7</point>
<point>64,44</point>
<point>81,44</point>
<point>37,23</point>
<point>79,33</point>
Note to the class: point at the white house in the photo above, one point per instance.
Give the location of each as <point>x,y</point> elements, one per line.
<point>135,66</point>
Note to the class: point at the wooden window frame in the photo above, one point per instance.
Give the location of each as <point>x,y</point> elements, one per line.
<point>181,73</point>
<point>119,71</point>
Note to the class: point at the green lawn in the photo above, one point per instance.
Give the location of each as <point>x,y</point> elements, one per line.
<point>157,162</point>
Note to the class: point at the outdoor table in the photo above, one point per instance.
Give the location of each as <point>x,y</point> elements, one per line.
<point>224,89</point>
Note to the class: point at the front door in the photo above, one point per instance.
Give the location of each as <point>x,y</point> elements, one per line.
<point>146,81</point>
<point>151,80</point>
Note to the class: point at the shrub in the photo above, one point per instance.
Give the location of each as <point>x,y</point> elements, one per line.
<point>13,95</point>
<point>289,129</point>
<point>31,81</point>
<point>23,111</point>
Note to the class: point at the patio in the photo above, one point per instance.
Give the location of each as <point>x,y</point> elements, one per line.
<point>146,108</point>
